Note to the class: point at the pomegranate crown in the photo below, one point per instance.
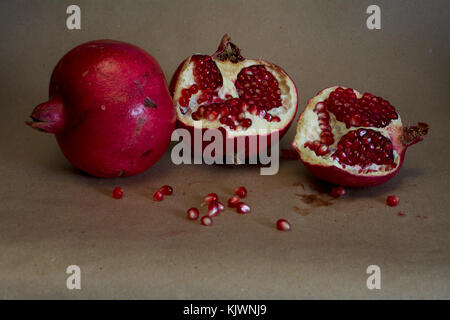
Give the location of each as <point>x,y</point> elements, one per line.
<point>228,51</point>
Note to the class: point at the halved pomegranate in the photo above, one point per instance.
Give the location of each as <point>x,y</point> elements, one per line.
<point>235,95</point>
<point>353,139</point>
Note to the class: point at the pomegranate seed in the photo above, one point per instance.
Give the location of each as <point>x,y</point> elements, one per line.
<point>337,192</point>
<point>192,213</point>
<point>213,209</point>
<point>158,196</point>
<point>193,89</point>
<point>243,208</point>
<point>392,201</point>
<point>283,225</point>
<point>117,193</point>
<point>322,150</point>
<point>206,221</point>
<point>241,192</point>
<point>246,123</point>
<point>210,197</point>
<point>233,201</point>
<point>166,190</point>
<point>220,206</point>
<point>183,101</point>
<point>186,93</point>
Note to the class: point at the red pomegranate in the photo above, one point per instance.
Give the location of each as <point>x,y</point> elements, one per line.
<point>109,108</point>
<point>238,96</point>
<point>353,139</point>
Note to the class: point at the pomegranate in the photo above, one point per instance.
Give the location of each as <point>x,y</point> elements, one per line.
<point>353,139</point>
<point>109,108</point>
<point>238,96</point>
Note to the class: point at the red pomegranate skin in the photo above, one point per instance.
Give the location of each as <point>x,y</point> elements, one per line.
<point>109,108</point>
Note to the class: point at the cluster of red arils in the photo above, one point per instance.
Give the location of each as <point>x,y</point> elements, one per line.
<point>257,88</point>
<point>320,147</point>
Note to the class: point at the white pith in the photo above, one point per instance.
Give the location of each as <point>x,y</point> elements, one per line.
<point>229,72</point>
<point>308,130</point>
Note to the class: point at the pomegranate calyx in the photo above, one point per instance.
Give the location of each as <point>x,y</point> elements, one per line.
<point>48,116</point>
<point>414,134</point>
<point>228,51</point>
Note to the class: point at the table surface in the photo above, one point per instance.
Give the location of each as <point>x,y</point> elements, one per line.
<point>53,216</point>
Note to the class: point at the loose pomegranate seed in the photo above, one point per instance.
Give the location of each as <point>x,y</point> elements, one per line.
<point>166,190</point>
<point>337,192</point>
<point>210,197</point>
<point>283,225</point>
<point>243,208</point>
<point>117,193</point>
<point>241,192</point>
<point>213,209</point>
<point>233,201</point>
<point>220,206</point>
<point>192,213</point>
<point>392,201</point>
<point>206,221</point>
<point>368,111</point>
<point>158,196</point>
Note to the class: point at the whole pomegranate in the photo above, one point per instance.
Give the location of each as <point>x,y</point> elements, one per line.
<point>353,139</point>
<point>238,96</point>
<point>109,108</point>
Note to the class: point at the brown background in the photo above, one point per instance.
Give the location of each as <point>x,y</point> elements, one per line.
<point>52,216</point>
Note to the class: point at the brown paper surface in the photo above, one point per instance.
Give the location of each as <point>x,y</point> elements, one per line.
<point>52,216</point>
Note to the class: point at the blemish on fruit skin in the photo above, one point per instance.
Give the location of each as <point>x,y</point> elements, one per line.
<point>146,153</point>
<point>139,125</point>
<point>85,73</point>
<point>150,103</point>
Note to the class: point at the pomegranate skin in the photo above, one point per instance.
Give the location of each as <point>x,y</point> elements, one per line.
<point>109,108</point>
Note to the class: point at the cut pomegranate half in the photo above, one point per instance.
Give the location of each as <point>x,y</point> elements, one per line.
<point>353,139</point>
<point>236,95</point>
